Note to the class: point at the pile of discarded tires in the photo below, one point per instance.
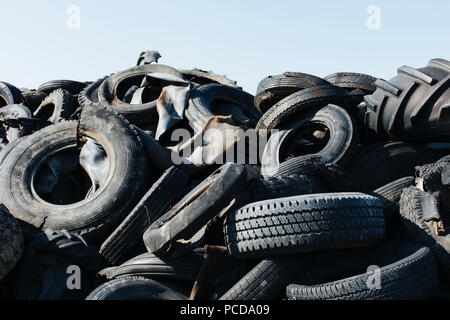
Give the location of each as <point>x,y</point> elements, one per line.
<point>348,199</point>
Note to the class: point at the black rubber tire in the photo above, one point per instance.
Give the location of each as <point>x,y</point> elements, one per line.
<point>58,106</point>
<point>446,178</point>
<point>303,224</point>
<point>15,111</point>
<point>340,148</point>
<point>413,211</point>
<point>413,275</point>
<point>200,108</point>
<point>280,187</point>
<point>164,193</point>
<point>377,165</point>
<point>413,105</point>
<point>108,91</point>
<point>266,281</point>
<point>353,81</point>
<point>390,194</point>
<point>11,242</point>
<point>196,209</point>
<point>202,77</point>
<point>74,87</point>
<point>32,98</point>
<point>302,101</point>
<point>184,268</point>
<point>273,89</point>
<point>97,214</point>
<point>9,94</point>
<point>136,288</point>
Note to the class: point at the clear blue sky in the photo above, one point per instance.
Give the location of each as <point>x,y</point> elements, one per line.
<point>246,40</point>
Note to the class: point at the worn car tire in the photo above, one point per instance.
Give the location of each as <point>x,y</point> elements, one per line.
<point>412,275</point>
<point>100,212</point>
<point>11,242</point>
<point>74,87</point>
<point>164,193</point>
<point>340,148</point>
<point>110,92</point>
<point>304,223</point>
<point>9,94</point>
<point>136,288</point>
<point>353,81</point>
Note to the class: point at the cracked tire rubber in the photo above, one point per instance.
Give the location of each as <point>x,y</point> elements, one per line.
<point>412,276</point>
<point>414,105</point>
<point>184,268</point>
<point>58,106</point>
<point>111,92</point>
<point>273,89</point>
<point>377,165</point>
<point>74,87</point>
<point>164,193</point>
<point>391,193</point>
<point>11,242</point>
<point>266,281</point>
<point>339,149</point>
<point>136,288</point>
<point>303,224</point>
<point>353,81</point>
<point>9,94</point>
<point>203,98</point>
<point>302,101</point>
<point>414,210</point>
<point>197,208</point>
<point>100,212</point>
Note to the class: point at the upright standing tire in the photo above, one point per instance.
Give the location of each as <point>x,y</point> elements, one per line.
<point>58,106</point>
<point>101,211</point>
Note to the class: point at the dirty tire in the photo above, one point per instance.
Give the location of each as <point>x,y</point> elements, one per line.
<point>9,94</point>
<point>266,281</point>
<point>201,102</point>
<point>304,223</point>
<point>413,212</point>
<point>58,106</point>
<point>413,105</point>
<point>302,101</point>
<point>135,288</point>
<point>273,89</point>
<point>340,148</point>
<point>110,89</point>
<point>413,276</point>
<point>74,87</point>
<point>32,98</point>
<point>89,95</point>
<point>155,202</point>
<point>430,175</point>
<point>97,214</point>
<point>353,81</point>
<point>196,209</point>
<point>377,165</point>
<point>11,242</point>
<point>391,193</point>
<point>184,268</point>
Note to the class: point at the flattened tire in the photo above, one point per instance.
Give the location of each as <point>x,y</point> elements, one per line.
<point>303,224</point>
<point>413,276</point>
<point>136,288</point>
<point>197,208</point>
<point>155,202</point>
<point>11,242</point>
<point>102,210</point>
